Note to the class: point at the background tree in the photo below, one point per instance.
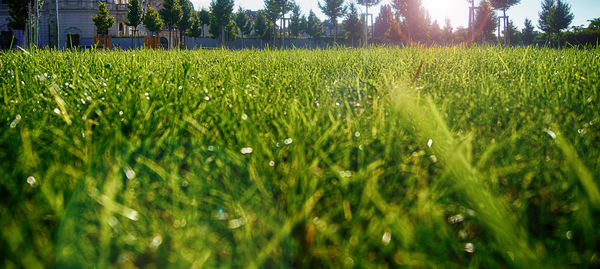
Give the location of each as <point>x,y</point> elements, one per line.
<point>242,21</point>
<point>512,34</point>
<point>204,16</point>
<point>447,32</point>
<point>262,26</point>
<point>353,25</point>
<point>273,10</point>
<point>333,9</point>
<point>231,30</point>
<point>367,4</point>
<point>296,22</point>
<point>187,16</point>
<point>383,22</point>
<point>103,21</point>
<point>594,24</point>
<point>17,10</point>
<point>171,15</point>
<point>415,20</point>
<point>435,33</point>
<point>486,21</point>
<point>221,12</point>
<point>460,35</point>
<point>528,33</point>
<point>286,7</point>
<point>555,17</point>
<point>314,27</point>
<point>196,28</point>
<point>152,22</point>
<point>504,5</point>
<point>134,14</point>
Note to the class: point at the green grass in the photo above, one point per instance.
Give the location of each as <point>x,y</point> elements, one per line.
<point>325,158</point>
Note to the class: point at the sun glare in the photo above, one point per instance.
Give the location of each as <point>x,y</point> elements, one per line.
<point>456,10</point>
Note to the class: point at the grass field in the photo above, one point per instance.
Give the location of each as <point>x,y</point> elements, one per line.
<point>326,158</point>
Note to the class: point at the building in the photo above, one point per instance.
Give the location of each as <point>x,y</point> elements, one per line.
<point>75,21</point>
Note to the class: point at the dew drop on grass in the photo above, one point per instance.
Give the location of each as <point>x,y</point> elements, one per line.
<point>16,121</point>
<point>57,111</point>
<point>246,150</point>
<point>272,163</point>
<point>236,223</point>
<point>569,235</point>
<point>386,238</point>
<point>211,148</point>
<point>129,173</point>
<point>288,141</point>
<point>156,241</point>
<point>429,143</point>
<point>463,234</point>
<point>469,248</point>
<point>550,133</point>
<point>244,116</point>
<point>130,214</point>
<point>31,180</point>
<point>220,215</point>
<point>455,219</point>
<point>121,113</point>
<point>337,104</point>
<point>357,134</point>
<point>206,98</point>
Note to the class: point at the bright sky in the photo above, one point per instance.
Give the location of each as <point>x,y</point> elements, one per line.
<point>456,10</point>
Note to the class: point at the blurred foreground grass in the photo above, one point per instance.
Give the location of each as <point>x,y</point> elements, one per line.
<point>301,158</point>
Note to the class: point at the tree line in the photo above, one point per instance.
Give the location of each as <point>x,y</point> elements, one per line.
<point>400,22</point>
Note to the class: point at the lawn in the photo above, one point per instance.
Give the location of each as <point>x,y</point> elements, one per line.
<point>300,158</point>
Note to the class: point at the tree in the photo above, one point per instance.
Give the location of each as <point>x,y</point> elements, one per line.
<point>262,25</point>
<point>415,20</point>
<point>272,13</point>
<point>367,4</point>
<point>103,21</point>
<point>333,9</point>
<point>353,24</point>
<point>185,23</point>
<point>447,32</point>
<point>435,33</point>
<point>594,24</point>
<point>504,5</point>
<point>314,26</point>
<point>528,33</point>
<point>512,34</point>
<point>196,28</point>
<point>286,7</point>
<point>242,21</point>
<point>171,15</point>
<point>204,16</point>
<point>485,21</point>
<point>134,14</point>
<point>296,22</point>
<point>221,12</point>
<point>555,16</point>
<point>17,10</point>
<point>152,22</point>
<point>383,21</point>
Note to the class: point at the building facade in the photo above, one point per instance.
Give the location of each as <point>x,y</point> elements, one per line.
<point>75,21</point>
